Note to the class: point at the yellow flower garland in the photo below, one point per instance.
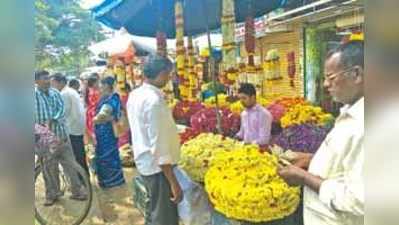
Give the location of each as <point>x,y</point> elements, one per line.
<point>197,154</point>
<point>211,101</point>
<point>300,114</point>
<point>263,101</point>
<point>237,107</point>
<point>244,185</point>
<point>172,103</point>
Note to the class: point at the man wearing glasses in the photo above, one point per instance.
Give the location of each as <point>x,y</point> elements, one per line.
<point>333,176</point>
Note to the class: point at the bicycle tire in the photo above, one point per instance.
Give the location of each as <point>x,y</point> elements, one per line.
<point>80,171</point>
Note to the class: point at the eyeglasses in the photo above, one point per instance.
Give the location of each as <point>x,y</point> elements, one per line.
<point>332,76</point>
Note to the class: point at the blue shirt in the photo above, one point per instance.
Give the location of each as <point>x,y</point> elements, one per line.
<point>50,106</point>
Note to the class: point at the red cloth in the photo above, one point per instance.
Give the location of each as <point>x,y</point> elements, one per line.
<point>93,96</point>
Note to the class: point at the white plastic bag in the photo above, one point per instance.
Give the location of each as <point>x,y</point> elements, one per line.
<point>194,209</point>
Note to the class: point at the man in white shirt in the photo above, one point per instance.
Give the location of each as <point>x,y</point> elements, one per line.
<point>74,84</point>
<point>74,116</point>
<point>334,188</point>
<point>155,141</point>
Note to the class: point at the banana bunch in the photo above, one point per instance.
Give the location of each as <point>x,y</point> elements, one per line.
<point>244,185</point>
<point>197,154</point>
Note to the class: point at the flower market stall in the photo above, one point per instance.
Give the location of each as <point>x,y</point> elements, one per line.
<point>237,183</point>
<point>217,161</point>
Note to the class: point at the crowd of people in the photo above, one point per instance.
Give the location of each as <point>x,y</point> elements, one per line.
<point>332,177</point>
<point>78,112</point>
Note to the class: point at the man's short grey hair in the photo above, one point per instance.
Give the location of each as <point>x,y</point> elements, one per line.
<point>155,64</point>
<point>352,54</point>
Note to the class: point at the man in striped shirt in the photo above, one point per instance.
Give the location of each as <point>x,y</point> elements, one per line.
<point>49,111</point>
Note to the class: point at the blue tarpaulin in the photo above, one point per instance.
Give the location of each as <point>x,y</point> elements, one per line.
<point>146,17</point>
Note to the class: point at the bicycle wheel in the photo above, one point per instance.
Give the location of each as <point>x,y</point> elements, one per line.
<point>65,211</point>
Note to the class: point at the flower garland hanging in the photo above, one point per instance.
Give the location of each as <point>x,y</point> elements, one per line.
<point>230,72</point>
<point>161,44</point>
<point>192,76</point>
<point>291,68</point>
<point>120,76</point>
<point>180,50</point>
<point>250,40</point>
<point>271,65</point>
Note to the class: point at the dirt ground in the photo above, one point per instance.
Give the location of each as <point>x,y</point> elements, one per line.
<point>109,207</point>
<point>115,206</point>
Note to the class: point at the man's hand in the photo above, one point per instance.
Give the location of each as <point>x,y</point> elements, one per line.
<point>293,175</point>
<point>177,193</point>
<point>296,176</point>
<point>302,160</point>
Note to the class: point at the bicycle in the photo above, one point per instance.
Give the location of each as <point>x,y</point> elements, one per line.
<point>65,211</point>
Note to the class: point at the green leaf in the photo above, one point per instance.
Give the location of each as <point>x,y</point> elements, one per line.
<point>62,24</point>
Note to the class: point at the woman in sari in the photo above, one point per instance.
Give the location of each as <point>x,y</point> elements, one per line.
<point>92,96</point>
<point>107,161</point>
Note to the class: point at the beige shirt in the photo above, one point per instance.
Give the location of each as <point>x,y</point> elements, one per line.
<point>154,133</point>
<point>339,161</point>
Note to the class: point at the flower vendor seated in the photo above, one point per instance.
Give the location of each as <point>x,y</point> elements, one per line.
<point>256,121</point>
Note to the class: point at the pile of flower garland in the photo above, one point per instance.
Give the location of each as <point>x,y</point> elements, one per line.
<point>304,126</point>
<point>211,101</point>
<point>188,134</point>
<point>197,154</point>
<point>302,138</point>
<point>205,121</point>
<point>279,107</point>
<point>243,184</point>
<point>301,114</point>
<point>287,102</point>
<point>183,110</point>
<point>236,107</point>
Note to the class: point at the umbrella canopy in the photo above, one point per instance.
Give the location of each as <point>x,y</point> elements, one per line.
<point>144,45</point>
<point>121,42</point>
<point>146,17</point>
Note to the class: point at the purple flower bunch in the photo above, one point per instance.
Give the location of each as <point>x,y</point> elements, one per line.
<point>302,138</point>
